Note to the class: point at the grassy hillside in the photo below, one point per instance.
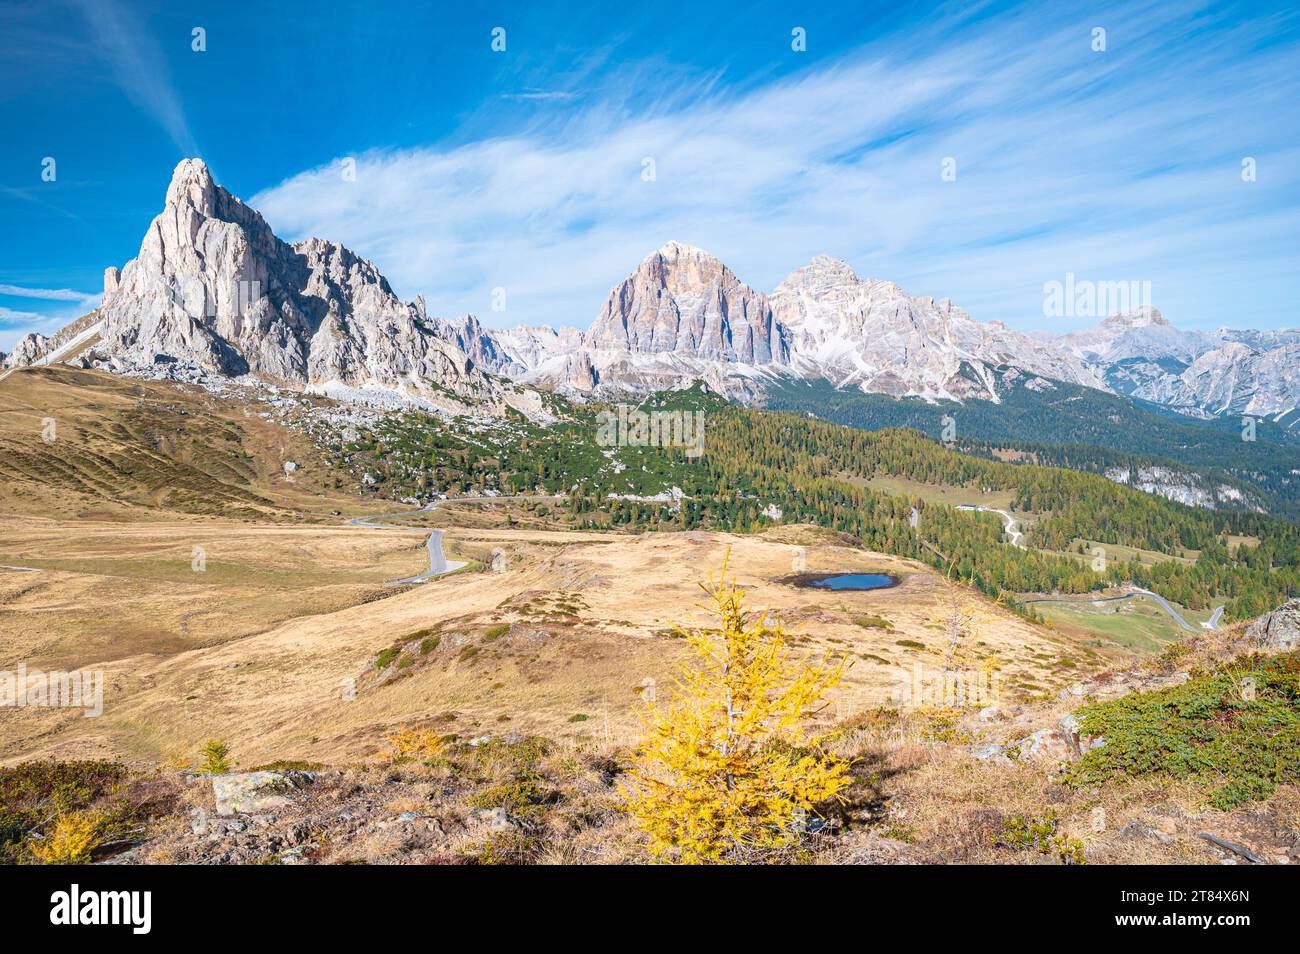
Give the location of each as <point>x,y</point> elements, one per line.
<point>127,443</point>
<point>83,443</point>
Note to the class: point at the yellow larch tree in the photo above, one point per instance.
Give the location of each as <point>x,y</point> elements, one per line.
<point>728,765</point>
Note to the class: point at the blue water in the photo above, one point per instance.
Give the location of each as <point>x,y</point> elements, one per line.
<point>855,581</point>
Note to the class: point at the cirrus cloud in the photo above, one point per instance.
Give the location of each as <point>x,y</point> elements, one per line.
<point>1123,165</point>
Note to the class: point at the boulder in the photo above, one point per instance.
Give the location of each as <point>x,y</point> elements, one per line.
<point>252,793</point>
<point>1046,745</point>
<point>494,820</point>
<point>1063,742</point>
<point>1279,629</point>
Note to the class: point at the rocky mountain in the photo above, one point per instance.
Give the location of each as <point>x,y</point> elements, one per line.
<point>1226,371</point>
<point>69,340</point>
<point>29,350</point>
<point>681,300</point>
<point>874,336</point>
<point>1239,379</point>
<point>680,316</point>
<point>213,288</point>
<point>511,352</point>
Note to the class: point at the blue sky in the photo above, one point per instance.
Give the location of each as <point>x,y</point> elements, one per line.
<point>523,169</point>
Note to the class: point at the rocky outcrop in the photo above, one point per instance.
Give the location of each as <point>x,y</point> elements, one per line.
<point>214,287</point>
<point>682,300</point>
<point>29,349</point>
<point>1184,486</point>
<point>1239,379</point>
<point>1279,630</point>
<point>252,793</point>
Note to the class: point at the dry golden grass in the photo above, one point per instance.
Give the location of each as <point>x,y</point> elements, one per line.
<point>89,445</point>
<point>563,643</point>
<point>108,591</point>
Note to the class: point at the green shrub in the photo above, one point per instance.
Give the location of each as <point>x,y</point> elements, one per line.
<point>579,717</point>
<point>215,757</point>
<point>517,797</point>
<point>496,632</point>
<point>387,656</point>
<point>874,622</point>
<point>1040,834</point>
<point>288,765</point>
<point>429,644</point>
<point>1232,730</point>
<point>909,644</point>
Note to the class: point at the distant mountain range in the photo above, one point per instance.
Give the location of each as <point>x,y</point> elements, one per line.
<point>214,289</point>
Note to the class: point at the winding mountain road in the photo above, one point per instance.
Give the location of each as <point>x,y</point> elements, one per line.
<point>1211,623</point>
<point>1008,520</point>
<point>439,565</point>
<point>438,562</point>
<point>1015,534</point>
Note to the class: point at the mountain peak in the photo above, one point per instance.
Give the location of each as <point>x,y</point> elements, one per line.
<point>1144,317</point>
<point>823,268</point>
<point>826,263</point>
<point>191,169</point>
<point>192,184</point>
<point>213,288</point>
<point>683,300</point>
<point>673,250</point>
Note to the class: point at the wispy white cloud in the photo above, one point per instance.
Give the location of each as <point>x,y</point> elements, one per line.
<point>9,318</point>
<point>539,94</point>
<point>49,294</point>
<point>139,67</point>
<point>64,305</point>
<point>1116,165</point>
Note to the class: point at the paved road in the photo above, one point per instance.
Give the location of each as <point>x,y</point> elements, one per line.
<point>1211,623</point>
<point>1168,609</point>
<point>1009,520</point>
<point>438,562</point>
